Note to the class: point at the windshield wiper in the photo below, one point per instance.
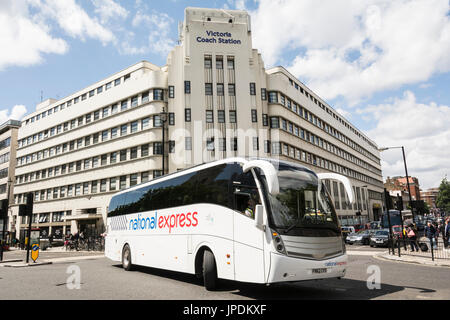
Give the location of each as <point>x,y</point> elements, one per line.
<point>296,220</point>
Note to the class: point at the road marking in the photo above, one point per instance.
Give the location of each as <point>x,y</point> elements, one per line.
<point>364,253</point>
<point>65,259</point>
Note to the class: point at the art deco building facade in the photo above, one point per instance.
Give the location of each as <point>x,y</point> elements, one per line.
<point>214,98</point>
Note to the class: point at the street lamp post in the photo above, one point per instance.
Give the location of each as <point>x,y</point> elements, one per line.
<point>406,172</point>
<point>163,116</point>
<point>367,202</point>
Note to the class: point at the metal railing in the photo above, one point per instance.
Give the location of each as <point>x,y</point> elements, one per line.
<point>93,243</point>
<point>423,247</point>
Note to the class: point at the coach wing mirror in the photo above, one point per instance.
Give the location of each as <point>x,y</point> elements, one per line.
<point>344,180</point>
<point>259,211</point>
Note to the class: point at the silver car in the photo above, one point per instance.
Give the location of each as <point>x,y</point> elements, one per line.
<point>362,236</point>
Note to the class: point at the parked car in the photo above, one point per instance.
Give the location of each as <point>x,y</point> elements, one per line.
<point>380,238</point>
<point>362,237</point>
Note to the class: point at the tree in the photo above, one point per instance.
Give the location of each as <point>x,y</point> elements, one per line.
<point>443,198</point>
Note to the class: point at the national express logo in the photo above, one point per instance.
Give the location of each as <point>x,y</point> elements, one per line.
<point>179,220</point>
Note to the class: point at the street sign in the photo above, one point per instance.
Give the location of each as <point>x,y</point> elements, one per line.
<point>35,252</point>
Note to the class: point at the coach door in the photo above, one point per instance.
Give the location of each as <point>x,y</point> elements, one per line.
<point>248,239</point>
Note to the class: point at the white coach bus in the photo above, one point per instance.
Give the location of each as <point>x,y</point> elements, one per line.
<point>258,221</point>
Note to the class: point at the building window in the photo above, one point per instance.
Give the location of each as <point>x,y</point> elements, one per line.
<point>273,97</point>
<point>255,143</point>
<point>188,143</point>
<point>123,182</point>
<point>208,89</point>
<point>254,115</point>
<point>123,129</point>
<point>263,94</point>
<point>158,94</point>
<point>157,147</point>
<point>230,63</point>
<point>208,62</point>
<point>171,118</point>
<point>171,92</point>
<point>144,177</point>
<point>252,89</point>
<point>220,89</point>
<point>234,144</point>
<point>144,150</point>
<point>133,179</point>
<point>145,97</point>
<point>145,123</point>
<point>274,122</point>
<point>171,146</point>
<point>266,146</point>
<point>134,126</point>
<point>231,89</point>
<point>219,62</point>
<point>124,105</point>
<point>187,86</point>
<point>222,144</point>
<point>103,185</point>
<point>134,101</point>
<point>187,115</point>
<point>133,153</point>
<point>113,157</point>
<point>209,116</point>
<point>232,116</point>
<point>210,144</point>
<point>157,121</point>
<point>276,148</point>
<point>221,116</point>
<point>123,155</point>
<point>265,119</point>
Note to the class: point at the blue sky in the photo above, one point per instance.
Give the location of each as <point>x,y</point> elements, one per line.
<point>384,65</point>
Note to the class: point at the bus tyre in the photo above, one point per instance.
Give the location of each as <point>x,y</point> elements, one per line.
<point>209,271</point>
<point>126,258</point>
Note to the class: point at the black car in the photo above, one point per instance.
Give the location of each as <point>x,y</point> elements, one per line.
<point>380,238</point>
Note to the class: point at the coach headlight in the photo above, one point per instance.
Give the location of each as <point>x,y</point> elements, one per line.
<point>278,242</point>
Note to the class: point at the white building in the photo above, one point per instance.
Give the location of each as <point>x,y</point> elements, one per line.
<point>215,99</point>
<point>8,146</point>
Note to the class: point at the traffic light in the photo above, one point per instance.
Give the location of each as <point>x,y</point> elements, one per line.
<point>399,203</point>
<point>388,200</point>
<point>4,208</point>
<point>27,209</point>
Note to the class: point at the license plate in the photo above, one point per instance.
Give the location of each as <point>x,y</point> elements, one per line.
<point>379,241</point>
<point>319,270</point>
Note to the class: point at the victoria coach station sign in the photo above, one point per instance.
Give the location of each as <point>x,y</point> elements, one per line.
<point>218,37</point>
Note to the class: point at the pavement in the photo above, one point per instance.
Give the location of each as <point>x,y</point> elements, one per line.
<point>414,259</point>
<point>49,256</point>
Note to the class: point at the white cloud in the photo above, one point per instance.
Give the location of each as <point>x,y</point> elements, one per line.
<point>24,40</point>
<point>157,25</point>
<point>17,113</point>
<point>109,10</point>
<point>423,131</point>
<point>355,48</point>
<point>73,19</point>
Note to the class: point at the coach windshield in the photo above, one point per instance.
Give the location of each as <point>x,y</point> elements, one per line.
<point>302,206</point>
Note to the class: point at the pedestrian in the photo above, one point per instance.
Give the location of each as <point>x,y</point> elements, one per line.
<point>412,236</point>
<point>430,233</point>
<point>446,233</point>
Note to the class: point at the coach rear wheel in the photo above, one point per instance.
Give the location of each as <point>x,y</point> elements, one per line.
<point>126,258</point>
<point>209,271</point>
